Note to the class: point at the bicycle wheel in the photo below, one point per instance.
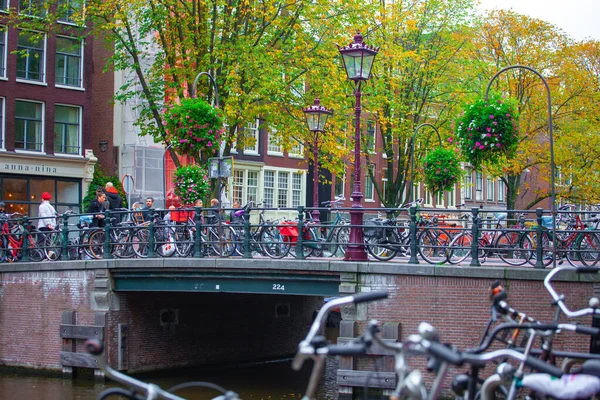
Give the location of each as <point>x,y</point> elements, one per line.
<point>342,238</point>
<point>384,245</point>
<point>184,241</point>
<point>588,248</point>
<point>36,252</point>
<point>433,245</point>
<point>73,250</point>
<point>139,243</point>
<point>514,248</point>
<point>96,243</point>
<point>223,240</point>
<point>120,246</point>
<point>328,243</point>
<point>52,246</point>
<point>460,248</point>
<point>547,250</point>
<point>310,246</point>
<point>273,243</point>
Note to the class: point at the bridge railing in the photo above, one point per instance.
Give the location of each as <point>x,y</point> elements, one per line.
<point>436,236</point>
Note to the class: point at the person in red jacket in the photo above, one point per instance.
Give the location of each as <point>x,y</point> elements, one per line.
<point>112,195</point>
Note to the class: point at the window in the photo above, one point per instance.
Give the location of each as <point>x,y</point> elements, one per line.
<point>427,198</point>
<point>31,56</point>
<point>34,8</point>
<point>490,189</point>
<point>67,129</point>
<point>251,133</point>
<point>340,182</point>
<point>282,189</point>
<point>439,199</point>
<point>296,189</point>
<point>2,122</point>
<point>68,61</point>
<point>371,136</point>
<point>500,190</point>
<point>149,170</point>
<point>29,125</point>
<point>451,199</point>
<point>384,182</point>
<point>369,186</point>
<point>252,189</point>
<point>3,33</point>
<point>297,150</point>
<point>238,186</point>
<point>69,11</point>
<point>269,188</point>
<point>469,185</point>
<point>478,186</point>
<point>4,5</point>
<point>245,186</point>
<point>273,147</point>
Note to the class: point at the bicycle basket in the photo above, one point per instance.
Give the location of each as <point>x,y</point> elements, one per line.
<point>288,228</point>
<point>373,228</point>
<point>181,215</point>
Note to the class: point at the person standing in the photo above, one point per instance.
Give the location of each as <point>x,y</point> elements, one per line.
<point>235,219</point>
<point>97,208</point>
<point>112,195</point>
<point>47,214</point>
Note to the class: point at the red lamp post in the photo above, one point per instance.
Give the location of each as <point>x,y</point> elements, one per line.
<point>316,118</point>
<point>358,60</point>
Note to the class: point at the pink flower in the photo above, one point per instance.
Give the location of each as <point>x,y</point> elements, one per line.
<point>488,129</point>
<point>450,139</point>
<point>209,144</point>
<point>183,140</point>
<point>508,115</point>
<point>489,135</point>
<point>491,117</point>
<point>495,123</point>
<point>481,147</point>
<point>498,144</point>
<point>477,144</point>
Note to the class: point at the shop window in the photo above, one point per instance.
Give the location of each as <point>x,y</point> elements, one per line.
<point>28,125</point>
<point>67,129</point>
<point>31,59</point>
<point>69,53</point>
<point>15,189</point>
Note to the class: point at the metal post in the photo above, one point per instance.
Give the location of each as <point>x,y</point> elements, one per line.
<point>65,236</point>
<point>300,242</point>
<point>151,251</point>
<point>355,250</point>
<point>25,246</point>
<point>551,137</point>
<point>198,251</point>
<point>413,235</point>
<point>106,252</point>
<point>475,241</point>
<point>539,231</point>
<point>247,252</point>
<point>316,214</point>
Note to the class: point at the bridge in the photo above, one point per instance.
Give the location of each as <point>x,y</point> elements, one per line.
<point>175,312</point>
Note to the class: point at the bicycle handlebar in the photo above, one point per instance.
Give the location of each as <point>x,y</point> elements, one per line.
<point>559,299</point>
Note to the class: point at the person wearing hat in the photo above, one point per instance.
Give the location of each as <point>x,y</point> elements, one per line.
<point>47,214</point>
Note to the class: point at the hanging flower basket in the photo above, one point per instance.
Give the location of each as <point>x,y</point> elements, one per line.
<point>193,127</point>
<point>191,183</point>
<point>488,130</point>
<point>441,170</point>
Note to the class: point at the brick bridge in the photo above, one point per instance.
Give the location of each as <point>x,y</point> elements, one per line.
<point>165,313</point>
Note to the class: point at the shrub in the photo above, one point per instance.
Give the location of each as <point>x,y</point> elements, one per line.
<point>441,170</point>
<point>191,183</point>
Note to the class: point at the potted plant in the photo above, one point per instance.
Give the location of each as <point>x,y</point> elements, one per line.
<point>441,170</point>
<point>488,130</point>
<point>194,127</point>
<point>191,183</point>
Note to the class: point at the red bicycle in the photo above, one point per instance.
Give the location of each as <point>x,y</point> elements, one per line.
<point>13,230</point>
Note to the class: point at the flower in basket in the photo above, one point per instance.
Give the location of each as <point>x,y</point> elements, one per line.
<point>441,170</point>
<point>193,127</point>
<point>488,130</point>
<point>191,183</point>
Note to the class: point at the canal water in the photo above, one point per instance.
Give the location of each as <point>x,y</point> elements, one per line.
<point>269,381</point>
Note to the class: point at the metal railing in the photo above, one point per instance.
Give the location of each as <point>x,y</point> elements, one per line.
<point>412,235</point>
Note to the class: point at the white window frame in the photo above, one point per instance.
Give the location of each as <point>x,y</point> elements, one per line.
<point>273,148</point>
<point>373,134</point>
<point>6,6</point>
<point>43,59</point>
<point>501,190</point>
<point>427,197</point>
<point>284,183</point>
<point>343,179</point>
<point>370,184</point>
<point>254,129</point>
<point>4,52</point>
<point>451,198</point>
<point>43,15</point>
<point>297,150</point>
<point>277,185</point>
<point>296,191</point>
<point>478,186</point>
<point>469,185</point>
<point>69,21</point>
<point>2,123</point>
<point>81,63</point>
<point>79,129</point>
<point>489,189</point>
<point>42,128</point>
<point>245,184</point>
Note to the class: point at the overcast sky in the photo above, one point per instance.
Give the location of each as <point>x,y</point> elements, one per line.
<point>578,18</point>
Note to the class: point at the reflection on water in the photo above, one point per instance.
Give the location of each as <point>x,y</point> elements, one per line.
<point>271,381</point>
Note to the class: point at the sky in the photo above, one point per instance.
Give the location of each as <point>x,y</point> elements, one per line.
<point>578,18</point>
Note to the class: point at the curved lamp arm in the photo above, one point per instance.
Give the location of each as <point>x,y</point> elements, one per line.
<point>214,83</point>
<point>552,167</point>
<point>412,154</point>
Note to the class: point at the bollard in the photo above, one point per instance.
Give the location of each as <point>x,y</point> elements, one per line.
<point>25,245</point>
<point>300,242</point>
<point>106,253</point>
<point>413,235</point>
<point>65,236</point>
<point>475,239</point>
<point>247,253</point>
<point>198,253</point>
<point>151,250</point>
<point>539,246</point>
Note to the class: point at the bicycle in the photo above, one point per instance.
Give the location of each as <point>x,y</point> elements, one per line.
<point>13,239</point>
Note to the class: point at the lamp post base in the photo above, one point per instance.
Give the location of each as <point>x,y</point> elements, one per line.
<point>355,251</point>
<point>316,215</point>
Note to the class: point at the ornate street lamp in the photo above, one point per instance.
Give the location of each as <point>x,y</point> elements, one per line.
<point>316,118</point>
<point>358,61</point>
